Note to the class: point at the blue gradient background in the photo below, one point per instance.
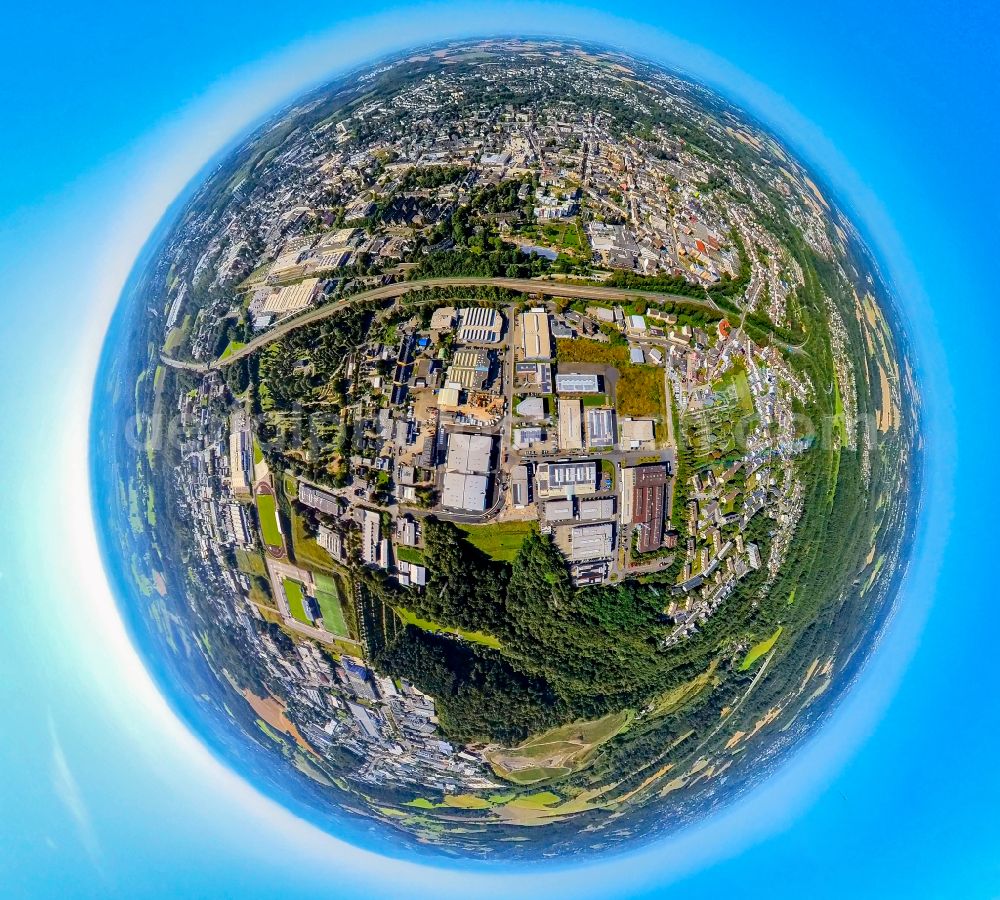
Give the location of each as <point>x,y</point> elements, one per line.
<point>107,113</point>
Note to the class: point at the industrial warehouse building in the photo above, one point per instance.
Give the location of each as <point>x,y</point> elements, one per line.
<point>462,491</point>
<point>469,453</point>
<point>600,427</point>
<point>466,481</point>
<point>573,383</point>
<point>531,408</point>
<point>291,299</point>
<point>592,541</point>
<point>558,510</point>
<point>638,434</point>
<point>520,486</point>
<point>643,501</point>
<point>317,499</point>
<point>528,437</point>
<point>470,369</point>
<point>595,510</point>
<point>570,425</point>
<point>479,325</point>
<point>566,479</point>
<point>536,340</point>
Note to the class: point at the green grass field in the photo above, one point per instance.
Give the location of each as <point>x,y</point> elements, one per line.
<point>267,511</point>
<point>231,348</point>
<point>476,637</point>
<point>759,650</point>
<point>539,773</point>
<point>296,600</point>
<point>595,400</point>
<point>251,563</point>
<point>499,541</point>
<point>410,555</point>
<point>307,552</point>
<point>540,800</point>
<point>177,335</point>
<point>329,600</point>
<point>737,378</point>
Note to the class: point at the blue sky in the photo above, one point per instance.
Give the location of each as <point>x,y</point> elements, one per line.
<point>106,113</point>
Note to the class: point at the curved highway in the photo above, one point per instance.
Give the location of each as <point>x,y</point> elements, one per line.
<point>523,285</point>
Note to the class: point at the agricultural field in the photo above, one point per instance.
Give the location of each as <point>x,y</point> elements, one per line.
<point>557,752</point>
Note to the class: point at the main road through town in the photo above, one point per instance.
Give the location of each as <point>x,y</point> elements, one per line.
<point>549,288</point>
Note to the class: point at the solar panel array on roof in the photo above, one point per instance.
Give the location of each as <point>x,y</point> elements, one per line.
<point>578,384</point>
<point>567,477</point>
<point>479,325</point>
<point>600,427</point>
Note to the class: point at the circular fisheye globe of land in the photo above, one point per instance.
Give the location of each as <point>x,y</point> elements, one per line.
<point>509,448</point>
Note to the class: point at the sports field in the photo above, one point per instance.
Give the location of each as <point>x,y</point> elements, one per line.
<point>296,600</point>
<point>328,598</point>
<point>267,511</point>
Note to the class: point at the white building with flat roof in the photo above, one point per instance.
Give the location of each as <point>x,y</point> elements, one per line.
<point>531,408</point>
<point>592,541</point>
<point>558,510</point>
<point>596,509</point>
<point>638,434</point>
<point>570,424</point>
<point>240,459</point>
<point>469,453</point>
<point>466,482</point>
<point>463,491</point>
<point>443,318</point>
<point>573,383</point>
<point>536,339</point>
<point>371,538</point>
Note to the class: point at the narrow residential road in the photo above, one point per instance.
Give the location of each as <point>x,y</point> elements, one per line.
<point>546,287</point>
